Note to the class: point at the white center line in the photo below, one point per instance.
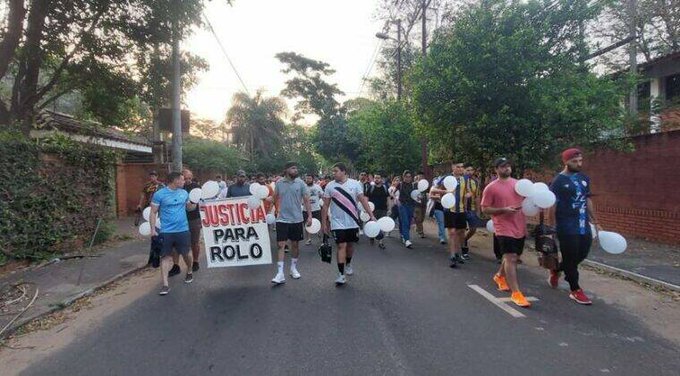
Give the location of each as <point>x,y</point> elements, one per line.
<point>511,311</point>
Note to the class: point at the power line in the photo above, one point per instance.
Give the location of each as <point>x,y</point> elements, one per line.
<point>224,51</point>
<point>370,65</point>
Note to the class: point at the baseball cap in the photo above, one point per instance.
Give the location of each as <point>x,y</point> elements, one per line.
<point>502,161</point>
<point>241,173</point>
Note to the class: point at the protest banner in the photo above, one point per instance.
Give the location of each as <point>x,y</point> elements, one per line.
<point>234,235</point>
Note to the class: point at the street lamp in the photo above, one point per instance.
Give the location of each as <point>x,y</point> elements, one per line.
<point>384,36</point>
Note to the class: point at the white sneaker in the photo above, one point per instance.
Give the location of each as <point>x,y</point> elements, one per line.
<point>349,270</point>
<point>294,273</point>
<point>408,244</point>
<point>279,279</point>
<point>341,280</point>
<point>308,242</point>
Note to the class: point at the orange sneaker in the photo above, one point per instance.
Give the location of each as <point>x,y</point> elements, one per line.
<point>519,299</point>
<point>501,282</point>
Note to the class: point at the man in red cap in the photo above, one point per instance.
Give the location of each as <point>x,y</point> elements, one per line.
<point>573,214</point>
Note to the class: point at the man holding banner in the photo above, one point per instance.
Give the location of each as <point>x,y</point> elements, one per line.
<point>289,194</point>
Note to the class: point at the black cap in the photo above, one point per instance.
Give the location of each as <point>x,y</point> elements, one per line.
<point>241,173</point>
<point>501,162</point>
<point>290,164</point>
<point>153,172</point>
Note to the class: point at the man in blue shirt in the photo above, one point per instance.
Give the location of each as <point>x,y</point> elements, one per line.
<point>573,213</point>
<point>173,203</point>
<point>241,188</point>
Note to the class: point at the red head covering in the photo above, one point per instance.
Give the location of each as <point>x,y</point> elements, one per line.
<point>569,154</point>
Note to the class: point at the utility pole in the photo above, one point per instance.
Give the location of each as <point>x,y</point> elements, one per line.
<point>176,89</point>
<point>423,142</point>
<point>632,57</point>
<point>398,60</point>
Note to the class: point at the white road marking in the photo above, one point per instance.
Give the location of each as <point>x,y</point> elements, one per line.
<point>511,311</point>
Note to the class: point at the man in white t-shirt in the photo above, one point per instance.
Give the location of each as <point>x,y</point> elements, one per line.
<point>340,216</point>
<point>315,196</point>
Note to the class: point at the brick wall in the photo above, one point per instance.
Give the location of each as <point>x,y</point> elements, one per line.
<point>638,193</point>
<point>130,179</point>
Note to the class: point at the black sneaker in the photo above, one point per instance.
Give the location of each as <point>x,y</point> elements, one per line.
<point>466,256</point>
<point>460,258</point>
<point>189,278</point>
<point>164,291</point>
<point>381,245</point>
<point>174,271</point>
<point>195,267</point>
<point>452,262</point>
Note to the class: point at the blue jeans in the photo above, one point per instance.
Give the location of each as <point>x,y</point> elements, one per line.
<point>405,218</point>
<point>439,216</point>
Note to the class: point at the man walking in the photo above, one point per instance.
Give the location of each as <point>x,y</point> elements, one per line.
<point>455,220</point>
<point>340,217</point>
<point>505,207</point>
<point>241,188</point>
<point>573,213</point>
<point>172,202</point>
<point>290,194</point>
<point>194,217</point>
<point>378,195</point>
<point>471,208</point>
<point>420,208</point>
<point>315,197</point>
<point>148,190</point>
<point>406,207</point>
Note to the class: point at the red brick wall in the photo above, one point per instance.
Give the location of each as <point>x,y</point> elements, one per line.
<point>638,193</point>
<point>130,179</point>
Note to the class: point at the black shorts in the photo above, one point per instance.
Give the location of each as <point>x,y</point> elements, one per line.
<point>346,236</point>
<point>379,213</point>
<point>195,230</point>
<point>315,214</point>
<point>510,245</point>
<point>289,231</point>
<point>179,241</point>
<point>455,220</point>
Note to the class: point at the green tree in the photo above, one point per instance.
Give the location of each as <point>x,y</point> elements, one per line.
<point>505,80</point>
<point>257,125</point>
<point>385,134</point>
<point>203,155</point>
<point>298,146</point>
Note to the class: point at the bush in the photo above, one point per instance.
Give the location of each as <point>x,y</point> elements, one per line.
<point>54,190</point>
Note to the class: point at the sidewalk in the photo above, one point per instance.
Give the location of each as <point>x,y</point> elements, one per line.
<point>62,281</point>
<point>646,262</point>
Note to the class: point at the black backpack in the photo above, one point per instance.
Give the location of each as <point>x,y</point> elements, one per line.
<point>546,247</point>
<point>326,250</point>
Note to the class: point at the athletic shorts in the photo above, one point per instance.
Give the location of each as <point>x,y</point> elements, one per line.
<point>315,214</point>
<point>346,236</point>
<point>455,220</point>
<point>179,241</point>
<point>195,230</point>
<point>510,245</point>
<point>289,231</point>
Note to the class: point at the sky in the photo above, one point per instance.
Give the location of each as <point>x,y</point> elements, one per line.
<point>341,33</point>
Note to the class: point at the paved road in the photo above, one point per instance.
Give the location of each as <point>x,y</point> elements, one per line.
<point>403,313</point>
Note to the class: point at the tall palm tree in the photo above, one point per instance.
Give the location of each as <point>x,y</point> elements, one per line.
<point>257,123</point>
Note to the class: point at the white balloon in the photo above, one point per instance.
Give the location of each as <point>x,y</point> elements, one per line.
<point>146,213</point>
<point>543,199</point>
<point>315,227</point>
<point>540,187</point>
<point>423,185</point>
<point>254,202</point>
<point>158,223</point>
<point>490,227</point>
<point>524,187</point>
<point>529,208</point>
<point>448,200</point>
<point>210,189</point>
<point>254,188</point>
<point>271,219</point>
<point>386,224</point>
<point>262,192</point>
<point>415,195</point>
<point>593,230</point>
<point>195,195</point>
<point>145,229</point>
<point>613,242</point>
<point>321,203</point>
<point>450,183</point>
<point>364,216</point>
<point>371,229</point>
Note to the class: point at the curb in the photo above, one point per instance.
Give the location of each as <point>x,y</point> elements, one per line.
<point>70,300</point>
<point>632,275</point>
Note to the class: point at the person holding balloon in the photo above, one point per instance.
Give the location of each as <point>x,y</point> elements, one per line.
<point>573,215</point>
<point>340,217</point>
<point>504,204</point>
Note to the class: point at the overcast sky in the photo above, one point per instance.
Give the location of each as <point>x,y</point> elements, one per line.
<point>341,33</point>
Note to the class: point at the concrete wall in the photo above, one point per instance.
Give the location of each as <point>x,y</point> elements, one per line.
<point>130,179</point>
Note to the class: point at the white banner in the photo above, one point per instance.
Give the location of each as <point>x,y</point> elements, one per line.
<point>235,235</point>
